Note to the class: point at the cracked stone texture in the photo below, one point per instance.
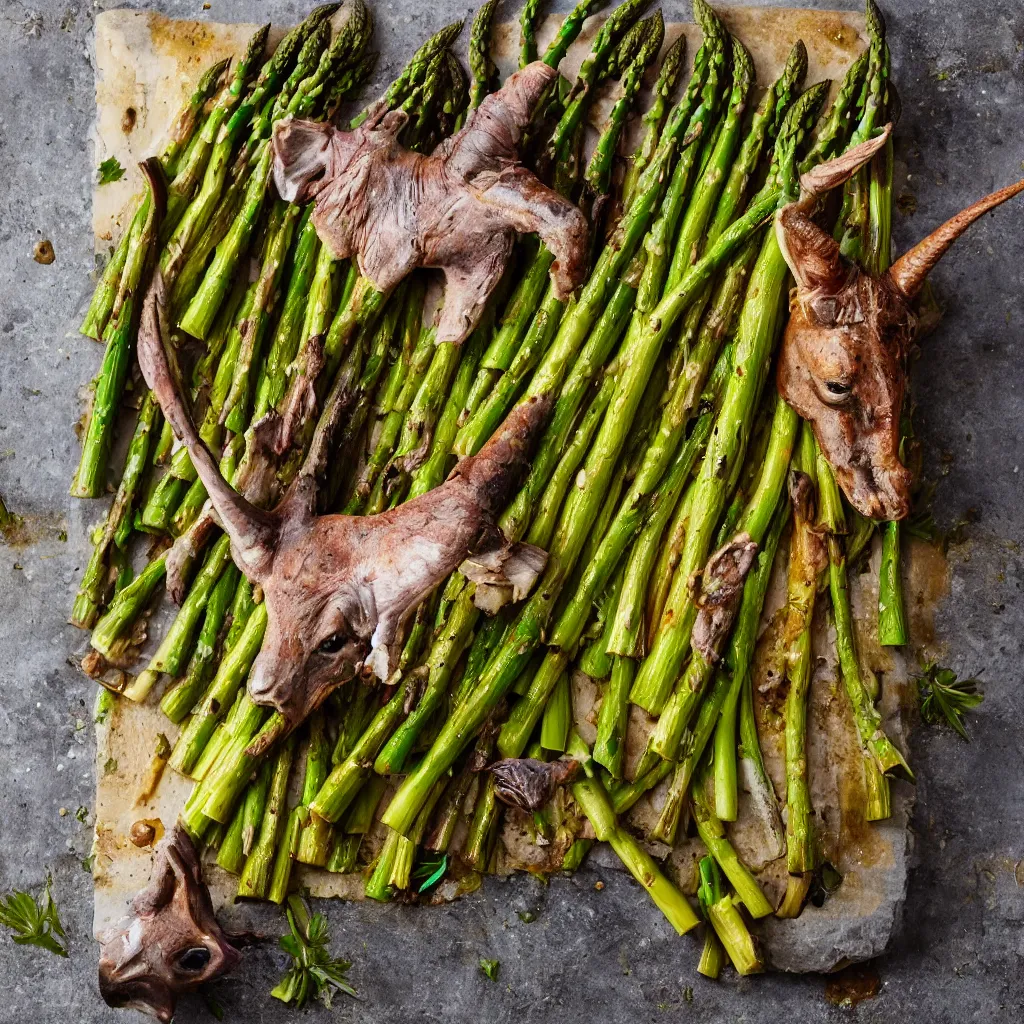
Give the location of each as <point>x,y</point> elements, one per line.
<point>590,955</point>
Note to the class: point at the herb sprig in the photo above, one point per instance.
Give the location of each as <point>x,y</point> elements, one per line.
<point>314,972</point>
<point>34,923</point>
<point>944,698</point>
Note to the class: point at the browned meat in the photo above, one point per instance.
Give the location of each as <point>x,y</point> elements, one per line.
<point>527,783</point>
<point>170,942</point>
<point>337,588</point>
<point>458,209</point>
<point>843,364</point>
<point>720,592</point>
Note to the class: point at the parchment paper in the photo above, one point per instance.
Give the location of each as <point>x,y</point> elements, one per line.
<point>148,64</point>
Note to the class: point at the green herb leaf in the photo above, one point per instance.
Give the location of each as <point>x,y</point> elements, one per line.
<point>490,968</point>
<point>314,972</point>
<point>432,870</point>
<point>33,924</point>
<point>111,170</point>
<point>944,698</point>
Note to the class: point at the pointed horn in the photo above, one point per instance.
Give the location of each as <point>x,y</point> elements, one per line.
<point>252,530</point>
<point>908,273</point>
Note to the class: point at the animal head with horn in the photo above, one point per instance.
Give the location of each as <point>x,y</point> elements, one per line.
<point>337,588</point>
<point>843,364</point>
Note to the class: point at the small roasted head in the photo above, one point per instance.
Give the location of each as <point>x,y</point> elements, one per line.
<point>170,942</point>
<point>843,364</point>
<point>844,369</point>
<point>338,588</point>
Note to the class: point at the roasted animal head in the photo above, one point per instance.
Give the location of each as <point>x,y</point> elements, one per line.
<point>337,588</point>
<point>843,364</point>
<point>458,209</point>
<point>170,942</point>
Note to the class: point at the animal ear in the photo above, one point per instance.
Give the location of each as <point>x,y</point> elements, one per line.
<point>832,173</point>
<point>813,257</point>
<point>302,156</point>
<point>908,273</point>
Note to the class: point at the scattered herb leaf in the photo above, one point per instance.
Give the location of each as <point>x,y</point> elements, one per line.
<point>87,863</point>
<point>34,924</point>
<point>104,704</point>
<point>82,814</point>
<point>944,698</point>
<point>431,870</point>
<point>527,916</point>
<point>490,968</point>
<point>314,972</point>
<point>111,170</point>
<point>110,766</point>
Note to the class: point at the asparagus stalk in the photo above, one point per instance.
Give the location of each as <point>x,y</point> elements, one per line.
<point>609,271</point>
<point>116,530</point>
<point>590,795</point>
<point>415,70</point>
<point>599,171</point>
<point>728,924</point>
<point>346,47</point>
<point>759,326</point>
<point>807,562</point>
<point>569,30</point>
<point>509,660</point>
<point>481,65</point>
<point>297,53</point>
<point>634,367</point>
<point>725,745</point>
<point>179,700</point>
<point>108,386</point>
<point>528,32</point>
<point>177,642</point>
<point>182,133</point>
<point>712,835</point>
<point>672,66</point>
<point>594,68</point>
<point>231,674</point>
<point>256,875</point>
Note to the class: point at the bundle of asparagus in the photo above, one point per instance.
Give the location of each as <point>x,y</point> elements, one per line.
<point>668,476</point>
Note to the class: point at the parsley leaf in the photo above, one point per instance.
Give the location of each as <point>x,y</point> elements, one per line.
<point>110,170</point>
<point>33,924</point>
<point>490,968</point>
<point>314,972</point>
<point>944,698</point>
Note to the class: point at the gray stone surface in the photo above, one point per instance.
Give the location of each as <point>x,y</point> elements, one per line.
<point>590,955</point>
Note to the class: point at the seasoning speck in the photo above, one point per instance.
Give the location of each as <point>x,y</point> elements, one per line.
<point>43,252</point>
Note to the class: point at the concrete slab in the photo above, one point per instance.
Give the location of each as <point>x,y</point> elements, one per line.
<point>960,70</point>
